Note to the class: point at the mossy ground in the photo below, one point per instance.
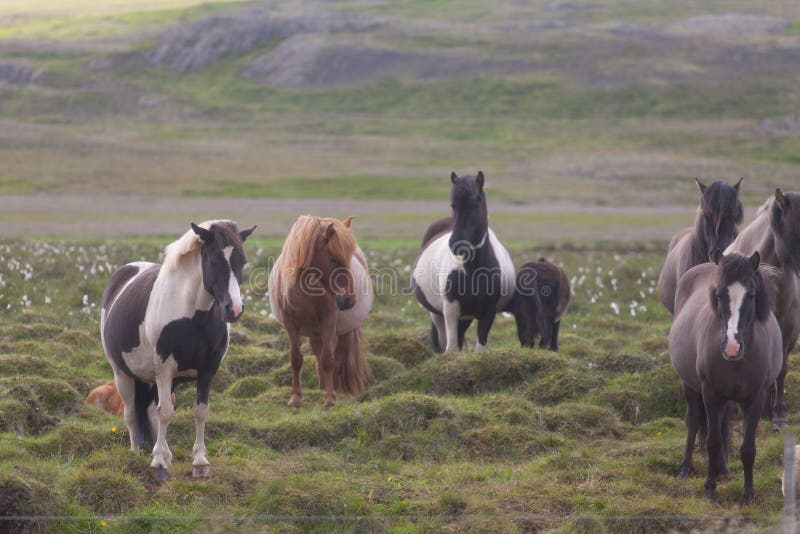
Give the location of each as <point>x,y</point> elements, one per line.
<point>513,439</point>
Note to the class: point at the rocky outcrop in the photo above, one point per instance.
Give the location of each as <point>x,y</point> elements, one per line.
<point>195,45</point>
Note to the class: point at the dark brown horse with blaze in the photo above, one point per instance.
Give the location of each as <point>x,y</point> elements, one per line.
<point>725,345</point>
<point>320,288</point>
<point>714,228</point>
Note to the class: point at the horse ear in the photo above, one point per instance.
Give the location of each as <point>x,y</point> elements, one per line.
<point>755,260</point>
<point>207,236</point>
<point>453,177</point>
<point>717,256</point>
<point>244,234</point>
<point>479,179</point>
<point>347,221</point>
<point>329,231</point>
<point>780,199</point>
<point>701,186</point>
<point>736,187</point>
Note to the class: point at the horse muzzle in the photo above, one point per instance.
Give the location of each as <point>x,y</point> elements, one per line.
<point>230,314</point>
<point>345,303</point>
<point>732,350</point>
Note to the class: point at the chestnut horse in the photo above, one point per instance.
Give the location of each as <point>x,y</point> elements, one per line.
<point>714,228</point>
<point>775,234</point>
<point>320,288</point>
<point>725,345</point>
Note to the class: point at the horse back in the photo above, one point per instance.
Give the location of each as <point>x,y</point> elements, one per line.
<point>692,279</point>
<point>679,260</point>
<point>437,228</point>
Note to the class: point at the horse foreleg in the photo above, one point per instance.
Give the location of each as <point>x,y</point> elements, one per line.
<point>327,362</point>
<point>714,407</point>
<point>451,312</point>
<point>200,463</point>
<point>752,413</point>
<point>296,400</point>
<point>162,456</point>
<point>693,413</point>
<point>484,325</point>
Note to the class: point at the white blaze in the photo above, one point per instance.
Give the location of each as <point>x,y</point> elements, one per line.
<point>736,293</point>
<point>233,284</point>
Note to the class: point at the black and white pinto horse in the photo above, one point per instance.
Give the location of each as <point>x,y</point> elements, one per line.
<point>464,273</point>
<point>164,324</point>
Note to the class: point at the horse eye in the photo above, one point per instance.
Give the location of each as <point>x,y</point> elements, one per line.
<point>336,262</point>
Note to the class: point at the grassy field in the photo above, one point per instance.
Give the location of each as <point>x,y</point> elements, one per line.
<point>590,120</point>
<point>509,440</point>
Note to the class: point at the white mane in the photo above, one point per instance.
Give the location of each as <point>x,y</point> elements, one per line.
<point>753,236</point>
<point>186,245</point>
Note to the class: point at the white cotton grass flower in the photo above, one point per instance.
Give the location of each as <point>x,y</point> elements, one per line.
<point>615,307</point>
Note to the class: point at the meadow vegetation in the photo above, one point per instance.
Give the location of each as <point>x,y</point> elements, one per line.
<point>509,440</point>
<point>590,120</point>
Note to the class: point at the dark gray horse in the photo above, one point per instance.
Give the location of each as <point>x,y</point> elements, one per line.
<point>725,345</point>
<point>714,228</point>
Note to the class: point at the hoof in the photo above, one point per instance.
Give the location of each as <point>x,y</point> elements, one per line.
<point>201,471</point>
<point>779,424</point>
<point>682,475</point>
<point>295,402</point>
<point>159,474</point>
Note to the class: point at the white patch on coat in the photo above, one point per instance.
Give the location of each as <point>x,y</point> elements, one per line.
<point>736,294</point>
<point>233,283</point>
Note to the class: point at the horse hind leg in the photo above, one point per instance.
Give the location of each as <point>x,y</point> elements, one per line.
<point>554,338</point>
<point>779,418</point>
<point>463,326</point>
<point>296,355</point>
<point>126,387</point>
<point>438,334</point>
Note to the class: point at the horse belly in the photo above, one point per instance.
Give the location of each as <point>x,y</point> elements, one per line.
<point>433,267</point>
<point>141,360</point>
<point>348,320</point>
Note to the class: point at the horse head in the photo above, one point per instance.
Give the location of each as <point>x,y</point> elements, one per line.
<point>222,259</point>
<point>785,223</point>
<point>333,250</point>
<point>721,213</point>
<point>470,216</point>
<point>740,295</point>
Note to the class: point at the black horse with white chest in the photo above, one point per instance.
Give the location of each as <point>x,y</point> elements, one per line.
<point>163,324</point>
<point>463,272</point>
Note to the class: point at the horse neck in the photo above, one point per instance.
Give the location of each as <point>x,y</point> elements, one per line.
<point>182,289</point>
<point>700,246</point>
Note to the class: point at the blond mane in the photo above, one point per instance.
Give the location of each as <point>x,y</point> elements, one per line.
<point>185,246</point>
<point>753,236</point>
<point>298,250</point>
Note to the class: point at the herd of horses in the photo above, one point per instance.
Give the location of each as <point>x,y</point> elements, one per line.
<point>735,299</point>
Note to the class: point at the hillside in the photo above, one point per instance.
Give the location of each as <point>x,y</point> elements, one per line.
<point>582,104</point>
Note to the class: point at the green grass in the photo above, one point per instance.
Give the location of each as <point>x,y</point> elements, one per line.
<point>509,440</point>
<point>364,187</point>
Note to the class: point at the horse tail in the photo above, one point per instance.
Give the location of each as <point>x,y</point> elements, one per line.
<point>143,396</point>
<point>435,338</point>
<point>353,370</point>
